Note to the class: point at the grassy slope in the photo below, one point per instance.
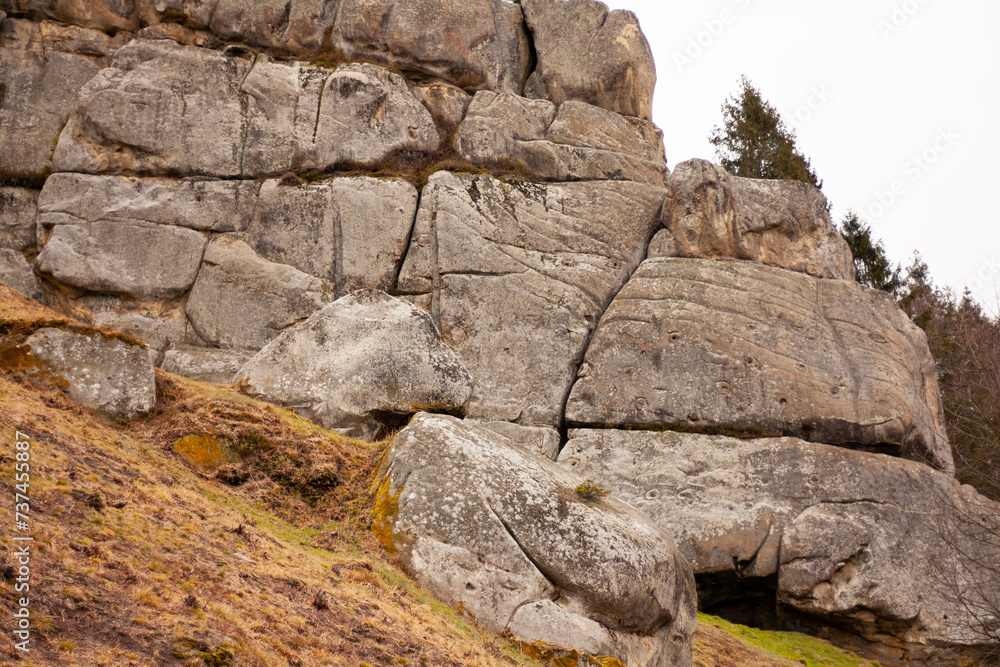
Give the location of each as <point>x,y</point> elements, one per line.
<point>143,558</point>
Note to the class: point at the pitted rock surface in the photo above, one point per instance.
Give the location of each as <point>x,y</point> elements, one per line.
<point>18,214</point>
<point>739,347</point>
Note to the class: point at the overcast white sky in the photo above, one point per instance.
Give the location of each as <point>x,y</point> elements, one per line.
<point>903,93</point>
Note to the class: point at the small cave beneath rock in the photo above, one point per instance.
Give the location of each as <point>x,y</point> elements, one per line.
<point>750,601</point>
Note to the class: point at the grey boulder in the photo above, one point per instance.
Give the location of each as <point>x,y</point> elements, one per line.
<point>867,542</point>
<point>711,213</point>
<point>504,535</point>
<point>518,275</point>
<point>360,364</point>
<point>576,142</point>
<point>590,54</point>
<point>739,347</point>
<point>18,213</point>
<point>146,261</point>
<point>241,300</point>
<point>16,273</point>
<point>102,373</point>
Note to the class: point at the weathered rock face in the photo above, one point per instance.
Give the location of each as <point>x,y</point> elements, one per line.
<point>15,272</point>
<point>539,440</point>
<point>519,274</point>
<point>864,541</point>
<point>205,364</point>
<point>503,534</point>
<point>42,68</point>
<point>474,44</point>
<point>241,300</point>
<point>576,142</point>
<point>199,204</point>
<point>351,232</point>
<point>362,362</point>
<point>163,109</point>
<point>712,214</point>
<point>104,374</point>
<point>147,261</point>
<point>18,211</point>
<point>746,348</point>
<point>589,54</point>
<point>105,15</point>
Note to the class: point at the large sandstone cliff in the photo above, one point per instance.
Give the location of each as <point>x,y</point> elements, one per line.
<point>232,181</point>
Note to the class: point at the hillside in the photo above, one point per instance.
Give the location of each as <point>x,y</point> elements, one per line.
<point>145,556</point>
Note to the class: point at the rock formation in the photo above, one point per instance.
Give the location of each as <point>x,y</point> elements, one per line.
<point>230,181</point>
<point>506,536</point>
<point>363,362</point>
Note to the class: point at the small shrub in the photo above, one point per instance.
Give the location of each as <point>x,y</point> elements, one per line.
<point>591,491</point>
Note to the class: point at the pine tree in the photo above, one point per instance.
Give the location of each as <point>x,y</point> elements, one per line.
<point>754,142</point>
<point>873,266</point>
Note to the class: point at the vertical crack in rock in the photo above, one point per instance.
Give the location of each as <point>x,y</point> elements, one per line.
<point>336,229</point>
<point>579,360</point>
<point>394,289</point>
<point>435,270</point>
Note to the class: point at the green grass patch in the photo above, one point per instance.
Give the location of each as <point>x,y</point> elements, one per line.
<point>804,649</point>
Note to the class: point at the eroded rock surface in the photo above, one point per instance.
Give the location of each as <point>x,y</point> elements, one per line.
<point>519,275</point>
<point>868,542</point>
<point>588,53</point>
<point>18,212</point>
<point>363,362</point>
<point>16,273</point>
<point>241,300</point>
<point>712,214</point>
<point>503,534</point>
<point>147,261</point>
<point>574,142</point>
<point>199,204</point>
<point>205,364</point>
<point>42,68</point>
<point>164,109</point>
<point>740,347</point>
<point>474,44</point>
<point>101,373</point>
<point>350,232</point>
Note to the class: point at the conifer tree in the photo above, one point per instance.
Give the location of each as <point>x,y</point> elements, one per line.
<point>754,142</point>
<point>873,266</point>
